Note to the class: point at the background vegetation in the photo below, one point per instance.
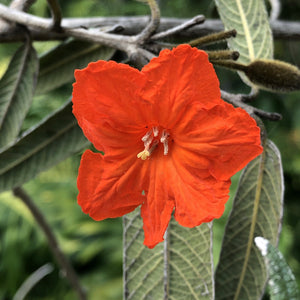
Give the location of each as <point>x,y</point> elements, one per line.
<point>95,248</point>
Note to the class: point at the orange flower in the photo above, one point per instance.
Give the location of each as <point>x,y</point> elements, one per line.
<point>169,140</point>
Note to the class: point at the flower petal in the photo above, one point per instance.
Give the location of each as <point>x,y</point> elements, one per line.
<point>195,206</point>
<point>108,189</point>
<point>156,211</point>
<point>199,197</point>
<point>107,105</point>
<point>176,78</point>
<point>225,136</point>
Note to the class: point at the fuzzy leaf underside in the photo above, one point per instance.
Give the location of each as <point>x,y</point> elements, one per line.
<point>180,268</point>
<point>53,140</point>
<point>257,211</point>
<point>254,36</point>
<point>57,66</point>
<point>16,92</point>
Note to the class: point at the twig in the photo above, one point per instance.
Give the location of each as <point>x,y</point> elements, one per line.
<point>275,9</point>
<point>53,244</point>
<point>23,18</point>
<point>152,25</point>
<point>56,13</point>
<point>32,280</point>
<point>22,5</point>
<point>184,26</point>
<point>237,100</point>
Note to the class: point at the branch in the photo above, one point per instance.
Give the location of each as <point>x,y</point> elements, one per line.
<point>128,44</point>
<point>237,100</point>
<point>41,28</point>
<point>53,244</point>
<point>22,5</point>
<point>183,26</point>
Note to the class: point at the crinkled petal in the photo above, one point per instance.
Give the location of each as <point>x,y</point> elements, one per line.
<point>226,137</point>
<point>195,206</point>
<point>109,189</point>
<point>199,197</point>
<point>156,211</point>
<point>107,104</point>
<point>176,78</point>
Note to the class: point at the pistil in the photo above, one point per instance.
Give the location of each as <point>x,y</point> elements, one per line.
<point>151,141</point>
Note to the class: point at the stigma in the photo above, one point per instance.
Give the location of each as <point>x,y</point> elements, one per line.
<point>151,140</point>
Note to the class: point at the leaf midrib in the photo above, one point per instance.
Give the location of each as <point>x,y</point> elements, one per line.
<point>37,149</point>
<point>50,68</point>
<point>253,223</point>
<point>246,30</point>
<point>17,82</point>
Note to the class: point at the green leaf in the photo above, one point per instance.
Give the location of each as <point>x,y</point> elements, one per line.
<point>16,92</point>
<point>40,148</point>
<point>254,36</point>
<point>282,282</point>
<point>58,65</point>
<point>257,211</point>
<point>179,268</point>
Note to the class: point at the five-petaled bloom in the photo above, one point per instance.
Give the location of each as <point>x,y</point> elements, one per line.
<point>170,142</point>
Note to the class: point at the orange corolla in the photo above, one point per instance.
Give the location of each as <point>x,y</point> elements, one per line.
<point>170,142</point>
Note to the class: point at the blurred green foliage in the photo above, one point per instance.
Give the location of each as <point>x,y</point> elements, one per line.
<point>95,248</point>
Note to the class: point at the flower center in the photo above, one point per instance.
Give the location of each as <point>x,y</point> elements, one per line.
<point>151,139</point>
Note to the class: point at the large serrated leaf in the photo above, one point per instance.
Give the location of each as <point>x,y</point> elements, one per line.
<point>58,65</point>
<point>16,92</point>
<point>282,282</point>
<point>254,36</point>
<point>180,268</point>
<point>257,211</point>
<point>53,140</point>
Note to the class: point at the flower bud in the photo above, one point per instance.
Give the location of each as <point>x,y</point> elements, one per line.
<point>274,74</point>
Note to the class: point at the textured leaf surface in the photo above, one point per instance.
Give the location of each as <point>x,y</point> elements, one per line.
<point>16,92</point>
<point>257,211</point>
<point>250,19</point>
<point>58,65</point>
<point>179,268</point>
<point>282,282</point>
<point>40,148</point>
<point>254,36</point>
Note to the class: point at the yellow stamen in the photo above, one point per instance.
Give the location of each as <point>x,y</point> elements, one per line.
<point>143,155</point>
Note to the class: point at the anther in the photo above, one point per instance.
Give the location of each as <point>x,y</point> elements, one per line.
<point>155,131</point>
<point>148,142</point>
<point>146,136</point>
<point>164,140</point>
